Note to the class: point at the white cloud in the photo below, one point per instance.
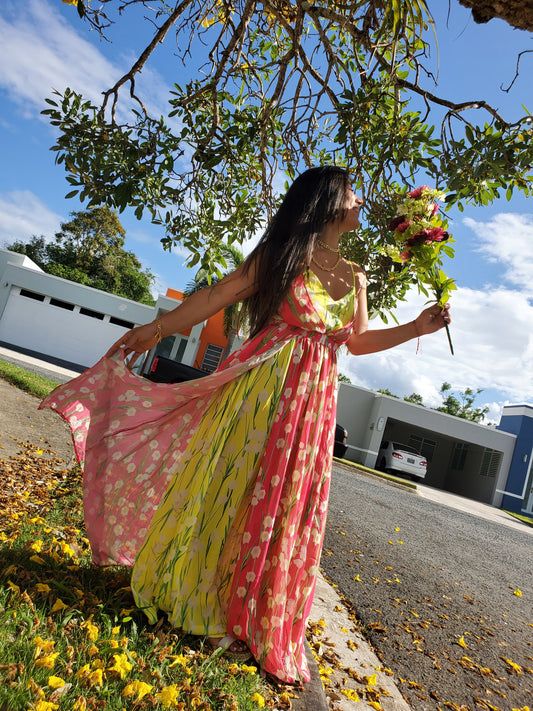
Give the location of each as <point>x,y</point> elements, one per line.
<point>507,239</point>
<point>23,215</point>
<point>492,334</point>
<point>42,52</point>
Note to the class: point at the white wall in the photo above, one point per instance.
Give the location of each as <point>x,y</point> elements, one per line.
<point>59,332</point>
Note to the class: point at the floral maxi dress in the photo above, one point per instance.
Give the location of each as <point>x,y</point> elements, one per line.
<point>216,490</point>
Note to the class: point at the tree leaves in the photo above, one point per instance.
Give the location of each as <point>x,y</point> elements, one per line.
<point>89,250</point>
<point>270,91</point>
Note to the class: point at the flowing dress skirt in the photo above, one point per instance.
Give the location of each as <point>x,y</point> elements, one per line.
<point>216,490</point>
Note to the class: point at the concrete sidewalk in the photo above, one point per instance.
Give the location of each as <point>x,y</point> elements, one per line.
<point>54,370</point>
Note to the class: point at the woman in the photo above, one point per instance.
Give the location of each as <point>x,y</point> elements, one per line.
<point>216,490</point>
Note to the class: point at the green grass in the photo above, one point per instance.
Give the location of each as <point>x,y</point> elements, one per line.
<point>71,637</point>
<point>70,634</point>
<point>34,384</point>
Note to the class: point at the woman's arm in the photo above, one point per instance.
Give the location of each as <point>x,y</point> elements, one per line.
<point>195,308</point>
<point>363,341</point>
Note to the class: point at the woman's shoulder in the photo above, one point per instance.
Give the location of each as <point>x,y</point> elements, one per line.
<point>359,275</point>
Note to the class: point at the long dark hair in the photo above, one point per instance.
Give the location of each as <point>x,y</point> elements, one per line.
<point>315,198</point>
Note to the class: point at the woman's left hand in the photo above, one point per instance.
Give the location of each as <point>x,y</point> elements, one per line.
<point>433,319</point>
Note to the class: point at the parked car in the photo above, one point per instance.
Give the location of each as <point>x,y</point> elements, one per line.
<point>166,370</point>
<point>396,458</point>
<point>340,447</point>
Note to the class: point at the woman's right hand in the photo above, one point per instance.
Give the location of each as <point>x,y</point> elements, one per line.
<point>136,341</point>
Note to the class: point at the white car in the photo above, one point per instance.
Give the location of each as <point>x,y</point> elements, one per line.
<point>396,458</point>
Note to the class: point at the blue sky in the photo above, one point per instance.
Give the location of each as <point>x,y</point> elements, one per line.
<point>46,46</point>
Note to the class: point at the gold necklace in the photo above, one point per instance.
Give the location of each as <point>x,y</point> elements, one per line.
<point>327,269</point>
<point>326,247</point>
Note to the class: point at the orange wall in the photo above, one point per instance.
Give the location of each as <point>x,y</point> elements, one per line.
<point>213,331</point>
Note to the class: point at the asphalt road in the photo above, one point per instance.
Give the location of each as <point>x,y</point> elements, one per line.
<point>437,592</point>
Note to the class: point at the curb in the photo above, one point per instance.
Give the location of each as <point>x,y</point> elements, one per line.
<point>374,473</point>
<point>348,675</point>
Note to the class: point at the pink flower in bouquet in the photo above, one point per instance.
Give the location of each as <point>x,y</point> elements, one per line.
<point>403,226</point>
<point>435,234</point>
<point>399,224</point>
<point>393,224</point>
<point>417,192</point>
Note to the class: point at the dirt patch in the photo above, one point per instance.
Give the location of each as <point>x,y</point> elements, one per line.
<point>21,421</point>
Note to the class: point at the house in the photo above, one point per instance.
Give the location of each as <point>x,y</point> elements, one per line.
<point>492,465</point>
<point>74,325</point>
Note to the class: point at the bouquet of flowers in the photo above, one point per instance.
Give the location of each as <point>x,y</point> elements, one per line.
<point>421,240</point>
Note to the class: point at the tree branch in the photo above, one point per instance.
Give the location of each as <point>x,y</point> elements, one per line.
<point>139,64</point>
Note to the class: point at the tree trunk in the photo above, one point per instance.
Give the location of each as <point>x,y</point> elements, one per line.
<point>518,13</point>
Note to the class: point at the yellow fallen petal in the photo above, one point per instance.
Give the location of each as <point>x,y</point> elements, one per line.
<point>42,705</point>
<point>122,666</point>
<point>350,694</point>
<point>168,696</point>
<point>461,642</point>
<point>518,593</point>
<point>259,700</point>
<point>43,588</point>
<point>55,682</point>
<point>47,661</point>
<point>371,680</point>
<point>96,678</point>
<point>516,667</point>
<point>37,559</point>
<point>92,630</point>
<point>140,688</point>
<point>59,605</point>
<point>250,670</point>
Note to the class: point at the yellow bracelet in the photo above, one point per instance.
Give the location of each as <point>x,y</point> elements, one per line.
<point>159,331</point>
